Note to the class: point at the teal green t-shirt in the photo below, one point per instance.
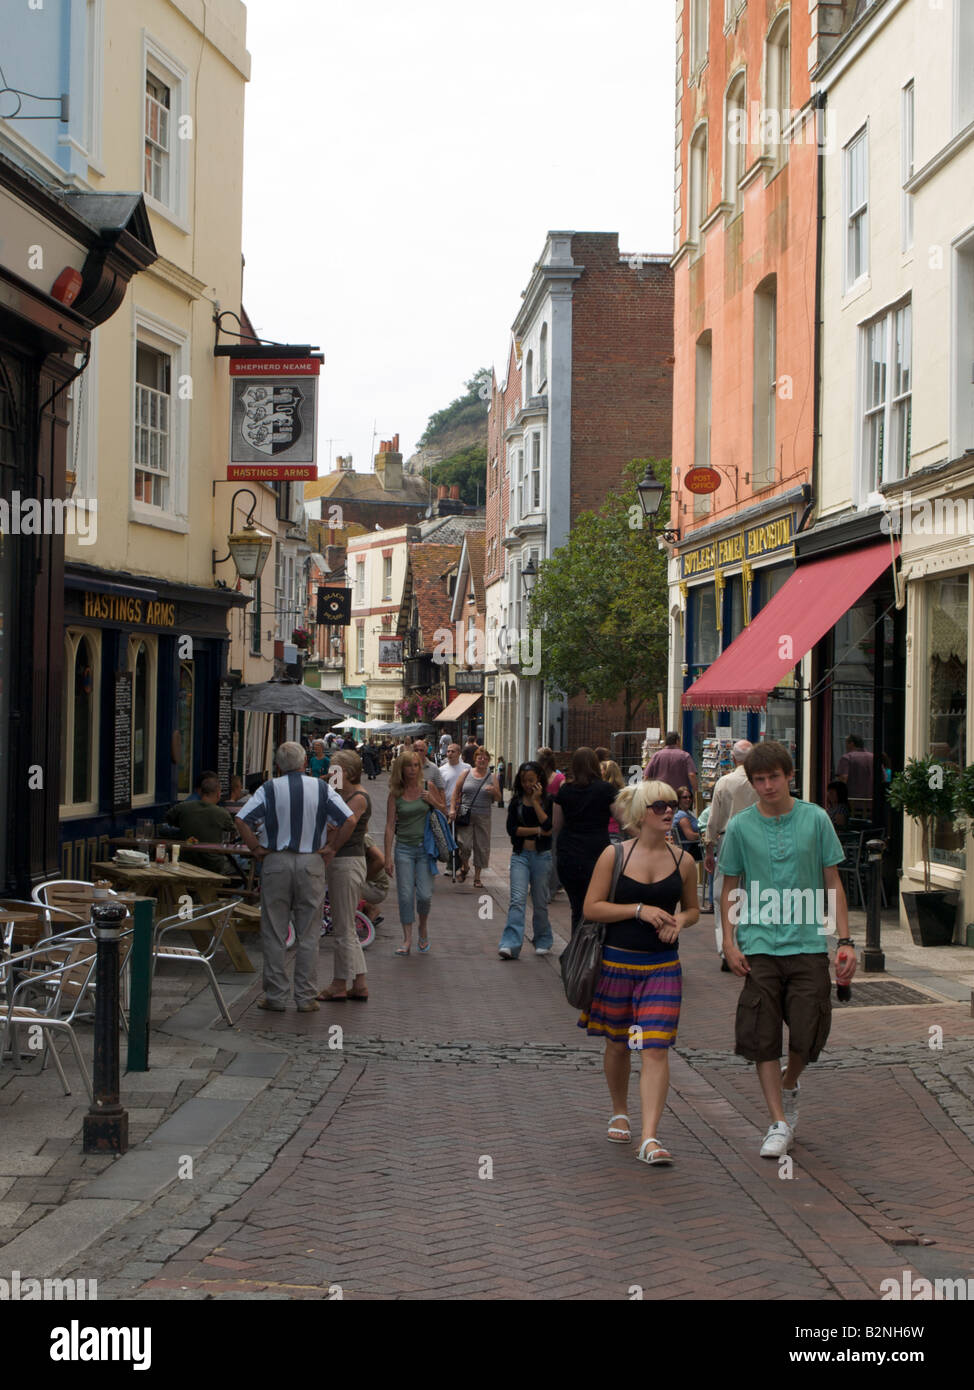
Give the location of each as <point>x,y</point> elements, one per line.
<point>411,820</point>
<point>781,862</point>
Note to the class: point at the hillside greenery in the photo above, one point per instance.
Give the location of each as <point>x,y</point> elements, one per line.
<point>467,411</point>
<point>468,468</point>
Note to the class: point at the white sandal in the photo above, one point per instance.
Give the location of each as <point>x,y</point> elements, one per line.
<point>659,1158</point>
<point>625,1135</point>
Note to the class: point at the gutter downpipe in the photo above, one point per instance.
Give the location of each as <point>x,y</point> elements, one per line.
<point>820,104</point>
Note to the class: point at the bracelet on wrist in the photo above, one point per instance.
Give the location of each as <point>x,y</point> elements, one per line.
<point>845,941</point>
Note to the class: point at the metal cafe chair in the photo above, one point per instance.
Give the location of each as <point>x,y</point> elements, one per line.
<point>49,988</point>
<point>203,917</point>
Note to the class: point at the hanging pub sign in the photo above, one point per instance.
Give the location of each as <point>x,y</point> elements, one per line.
<point>702,480</point>
<point>334,605</point>
<point>390,651</point>
<point>273,419</point>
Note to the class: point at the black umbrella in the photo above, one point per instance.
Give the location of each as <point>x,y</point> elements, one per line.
<point>290,697</point>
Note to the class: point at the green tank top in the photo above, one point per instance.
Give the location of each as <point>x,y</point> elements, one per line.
<point>410,820</point>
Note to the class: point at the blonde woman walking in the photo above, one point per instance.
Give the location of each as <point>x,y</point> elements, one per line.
<point>636,1006</point>
<point>406,859</point>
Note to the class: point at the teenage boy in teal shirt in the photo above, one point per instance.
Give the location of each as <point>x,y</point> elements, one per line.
<point>781,897</point>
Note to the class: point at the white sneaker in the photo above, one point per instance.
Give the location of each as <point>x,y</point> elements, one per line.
<point>542,950</point>
<point>778,1140</point>
<point>789,1103</point>
<point>505,954</point>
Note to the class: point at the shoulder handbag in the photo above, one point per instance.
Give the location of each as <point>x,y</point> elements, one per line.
<point>440,829</point>
<point>463,817</point>
<point>581,960</point>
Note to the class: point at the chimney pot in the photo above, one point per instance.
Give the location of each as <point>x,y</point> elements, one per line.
<point>455,492</point>
<point>442,491</point>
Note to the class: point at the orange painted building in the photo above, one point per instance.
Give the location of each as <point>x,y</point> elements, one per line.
<point>745,339</point>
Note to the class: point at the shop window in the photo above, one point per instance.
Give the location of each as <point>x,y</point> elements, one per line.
<point>79,723</point>
<point>187,683</point>
<point>703,623</point>
<point>142,662</point>
<point>948,607</point>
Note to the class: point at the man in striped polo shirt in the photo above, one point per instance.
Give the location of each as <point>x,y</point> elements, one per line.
<point>292,813</point>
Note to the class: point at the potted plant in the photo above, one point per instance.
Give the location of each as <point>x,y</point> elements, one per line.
<point>926,791</point>
<point>301,638</point>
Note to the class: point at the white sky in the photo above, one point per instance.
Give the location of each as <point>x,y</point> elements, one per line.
<point>404,160</point>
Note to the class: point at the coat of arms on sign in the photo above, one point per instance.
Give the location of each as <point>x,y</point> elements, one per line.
<point>271,421</point>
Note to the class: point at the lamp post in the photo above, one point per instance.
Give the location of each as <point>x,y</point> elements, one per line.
<point>650,492</point>
<point>249,548</point>
<point>529,577</point>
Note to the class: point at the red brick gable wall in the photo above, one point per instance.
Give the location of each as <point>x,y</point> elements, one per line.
<point>429,587</point>
<point>622,370</point>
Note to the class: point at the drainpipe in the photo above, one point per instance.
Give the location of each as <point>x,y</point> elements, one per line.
<point>820,104</point>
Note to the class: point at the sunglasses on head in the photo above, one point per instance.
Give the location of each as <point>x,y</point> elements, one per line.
<point>660,808</point>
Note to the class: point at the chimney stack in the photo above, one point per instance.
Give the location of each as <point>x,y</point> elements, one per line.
<point>455,492</point>
<point>388,464</point>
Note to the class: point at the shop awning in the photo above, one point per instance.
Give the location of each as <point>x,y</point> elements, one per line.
<point>809,603</point>
<point>457,707</point>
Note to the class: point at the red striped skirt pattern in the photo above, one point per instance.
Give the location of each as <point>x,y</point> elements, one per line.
<point>637,999</point>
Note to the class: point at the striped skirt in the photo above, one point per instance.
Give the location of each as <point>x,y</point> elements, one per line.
<point>637,999</point>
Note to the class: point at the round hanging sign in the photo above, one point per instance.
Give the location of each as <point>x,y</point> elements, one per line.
<point>702,480</point>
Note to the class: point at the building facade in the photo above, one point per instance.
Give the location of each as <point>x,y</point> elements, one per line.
<point>143,627</point>
<point>592,345</point>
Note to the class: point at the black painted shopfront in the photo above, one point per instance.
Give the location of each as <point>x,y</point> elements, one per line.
<point>147,702</point>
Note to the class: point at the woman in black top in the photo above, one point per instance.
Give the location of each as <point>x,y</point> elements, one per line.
<point>636,1006</point>
<point>583,806</point>
<point>529,826</point>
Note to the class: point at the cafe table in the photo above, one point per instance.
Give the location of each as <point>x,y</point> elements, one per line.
<point>238,851</point>
<point>167,883</point>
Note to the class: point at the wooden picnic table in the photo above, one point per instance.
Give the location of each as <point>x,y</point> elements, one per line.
<point>240,851</point>
<point>167,883</point>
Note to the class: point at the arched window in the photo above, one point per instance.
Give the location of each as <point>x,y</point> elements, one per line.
<point>79,726</point>
<point>697,185</point>
<point>765,380</point>
<point>735,140</point>
<point>142,664</point>
<point>187,685</point>
<point>528,376</point>
<point>543,356</point>
<point>776,118</point>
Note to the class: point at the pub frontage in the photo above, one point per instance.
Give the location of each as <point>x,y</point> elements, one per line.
<point>147,704</point>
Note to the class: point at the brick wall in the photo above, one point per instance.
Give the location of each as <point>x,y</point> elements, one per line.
<point>622,370</point>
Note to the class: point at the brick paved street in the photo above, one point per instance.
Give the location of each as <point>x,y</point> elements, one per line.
<point>455,1147</point>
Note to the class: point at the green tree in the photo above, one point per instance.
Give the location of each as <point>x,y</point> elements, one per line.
<point>468,469</point>
<point>601,603</point>
<point>468,409</point>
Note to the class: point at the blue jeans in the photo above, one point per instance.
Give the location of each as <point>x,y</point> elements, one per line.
<point>528,870</point>
<point>413,880</point>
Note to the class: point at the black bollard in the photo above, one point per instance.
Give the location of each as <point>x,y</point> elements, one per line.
<point>106,1126</point>
<point>873,959</point>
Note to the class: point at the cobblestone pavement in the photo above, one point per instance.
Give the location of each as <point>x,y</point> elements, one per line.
<point>447,1139</point>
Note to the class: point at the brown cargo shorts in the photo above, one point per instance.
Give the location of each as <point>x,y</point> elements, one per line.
<point>792,989</point>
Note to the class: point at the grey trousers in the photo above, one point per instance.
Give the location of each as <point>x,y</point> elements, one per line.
<point>346,877</point>
<point>474,839</point>
<point>292,890</point>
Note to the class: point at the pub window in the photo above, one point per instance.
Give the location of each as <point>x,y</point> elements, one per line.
<point>142,662</point>
<point>79,724</point>
<point>187,683</point>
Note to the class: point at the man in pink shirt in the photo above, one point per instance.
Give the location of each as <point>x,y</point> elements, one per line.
<point>672,765</point>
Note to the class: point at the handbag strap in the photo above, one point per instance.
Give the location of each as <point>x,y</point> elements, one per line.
<point>618,868</point>
<point>476,793</point>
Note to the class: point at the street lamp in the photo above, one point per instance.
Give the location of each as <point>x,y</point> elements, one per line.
<point>249,548</point>
<point>528,577</point>
<point>650,492</point>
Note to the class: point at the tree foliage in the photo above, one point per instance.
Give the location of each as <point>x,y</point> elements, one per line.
<point>601,603</point>
<point>470,409</point>
<point>468,468</point>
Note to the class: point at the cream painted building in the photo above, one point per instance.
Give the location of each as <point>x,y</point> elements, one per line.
<point>376,565</point>
<point>156,102</point>
<point>897,393</point>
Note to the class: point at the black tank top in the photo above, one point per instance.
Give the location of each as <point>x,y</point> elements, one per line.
<point>633,935</point>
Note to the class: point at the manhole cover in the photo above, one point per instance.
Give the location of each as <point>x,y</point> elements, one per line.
<point>876,992</point>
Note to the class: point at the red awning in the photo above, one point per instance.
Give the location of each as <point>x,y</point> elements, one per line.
<point>809,603</point>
